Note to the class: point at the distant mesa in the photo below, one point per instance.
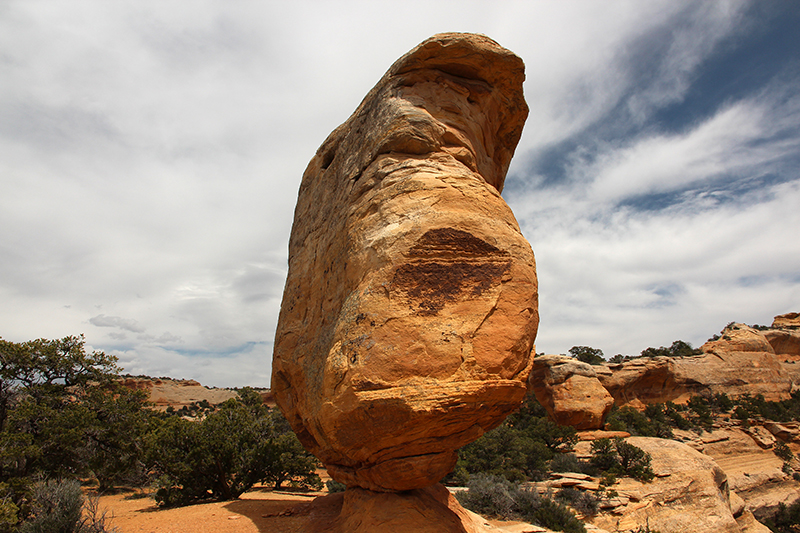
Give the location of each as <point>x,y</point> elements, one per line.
<point>410,308</point>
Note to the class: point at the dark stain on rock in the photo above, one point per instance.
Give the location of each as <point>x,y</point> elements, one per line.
<point>444,241</point>
<point>446,265</point>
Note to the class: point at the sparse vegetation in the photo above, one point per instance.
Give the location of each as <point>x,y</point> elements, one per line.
<point>64,415</point>
<point>226,453</point>
<point>518,450</point>
<point>497,497</point>
<point>786,520</point>
<point>678,348</point>
<point>621,458</point>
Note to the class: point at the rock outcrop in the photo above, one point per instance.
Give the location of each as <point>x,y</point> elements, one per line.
<point>689,493</point>
<point>742,361</point>
<point>789,320</point>
<point>570,391</point>
<point>410,307</point>
<point>754,472</point>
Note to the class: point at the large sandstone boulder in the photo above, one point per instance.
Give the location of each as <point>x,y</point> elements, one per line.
<point>570,391</point>
<point>410,306</point>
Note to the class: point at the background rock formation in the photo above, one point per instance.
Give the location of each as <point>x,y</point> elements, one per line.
<point>744,360</point>
<point>570,391</point>
<point>410,307</point>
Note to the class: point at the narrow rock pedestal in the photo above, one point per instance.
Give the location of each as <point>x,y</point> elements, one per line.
<point>429,510</point>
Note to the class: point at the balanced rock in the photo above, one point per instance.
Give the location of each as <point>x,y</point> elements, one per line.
<point>410,307</point>
<point>570,391</point>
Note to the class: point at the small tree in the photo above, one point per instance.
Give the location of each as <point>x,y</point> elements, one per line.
<point>586,354</point>
<point>226,453</point>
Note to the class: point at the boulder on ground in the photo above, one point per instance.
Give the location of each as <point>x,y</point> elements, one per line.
<point>410,307</point>
<point>570,391</point>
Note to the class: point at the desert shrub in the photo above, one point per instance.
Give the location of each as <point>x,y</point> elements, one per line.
<point>621,458</point>
<point>652,423</point>
<point>225,454</point>
<point>517,450</point>
<point>701,407</point>
<point>569,462</point>
<point>786,520</point>
<point>783,452</point>
<point>334,486</point>
<point>555,516</point>
<point>634,462</point>
<point>585,503</point>
<point>677,349</point>
<point>490,495</point>
<point>56,508</point>
<point>604,456</point>
<point>497,497</point>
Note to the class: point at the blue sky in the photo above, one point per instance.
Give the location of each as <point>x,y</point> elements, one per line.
<point>151,152</point>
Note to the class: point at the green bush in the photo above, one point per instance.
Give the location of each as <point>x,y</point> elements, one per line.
<point>56,508</point>
<point>786,520</point>
<point>634,462</point>
<point>491,496</point>
<point>517,450</point>
<point>497,497</point>
<point>334,486</point>
<point>677,349</point>
<point>226,453</point>
<point>783,451</point>
<point>585,503</point>
<point>621,458</point>
<point>586,354</point>
<point>569,462</point>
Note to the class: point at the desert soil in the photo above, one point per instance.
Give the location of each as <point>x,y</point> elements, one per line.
<point>259,511</point>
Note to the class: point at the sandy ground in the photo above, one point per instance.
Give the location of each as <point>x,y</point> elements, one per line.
<point>259,511</point>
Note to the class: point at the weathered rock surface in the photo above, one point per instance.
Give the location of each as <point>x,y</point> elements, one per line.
<point>690,493</point>
<point>784,342</point>
<point>570,391</point>
<point>789,320</point>
<point>741,362</point>
<point>429,510</point>
<point>410,306</point>
<point>754,473</point>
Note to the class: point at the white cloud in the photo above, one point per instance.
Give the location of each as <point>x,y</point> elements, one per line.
<point>150,155</point>
<point>103,321</point>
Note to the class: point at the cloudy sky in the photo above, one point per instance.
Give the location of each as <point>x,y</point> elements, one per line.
<point>151,152</point>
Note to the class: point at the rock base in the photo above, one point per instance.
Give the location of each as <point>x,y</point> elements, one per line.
<point>429,510</point>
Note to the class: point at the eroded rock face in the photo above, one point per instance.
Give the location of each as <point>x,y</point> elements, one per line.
<point>741,362</point>
<point>789,320</point>
<point>690,493</point>
<point>570,391</point>
<point>410,306</point>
